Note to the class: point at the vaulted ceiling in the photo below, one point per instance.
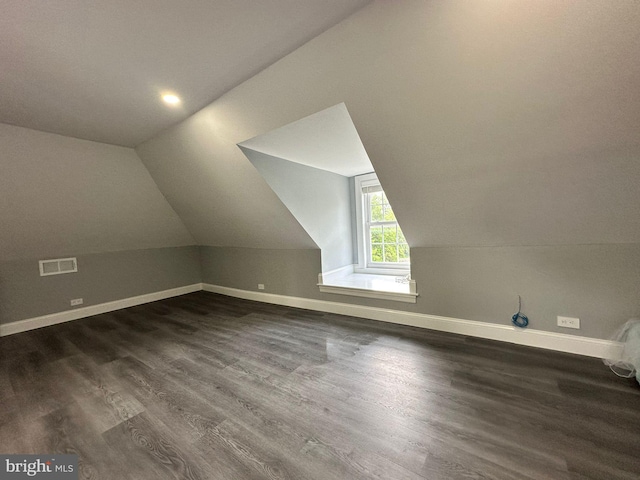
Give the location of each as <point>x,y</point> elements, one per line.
<point>96,70</point>
<point>488,123</point>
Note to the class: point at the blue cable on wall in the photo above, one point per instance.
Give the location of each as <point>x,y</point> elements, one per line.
<point>518,319</point>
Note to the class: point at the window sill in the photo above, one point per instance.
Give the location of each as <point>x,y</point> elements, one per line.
<point>382,287</point>
<point>394,271</point>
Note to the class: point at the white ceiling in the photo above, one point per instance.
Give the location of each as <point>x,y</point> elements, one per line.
<point>95,70</point>
<point>327,140</point>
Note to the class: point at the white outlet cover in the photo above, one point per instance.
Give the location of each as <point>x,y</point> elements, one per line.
<point>76,301</point>
<point>569,322</point>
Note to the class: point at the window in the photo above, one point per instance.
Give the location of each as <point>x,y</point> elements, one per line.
<point>381,243</point>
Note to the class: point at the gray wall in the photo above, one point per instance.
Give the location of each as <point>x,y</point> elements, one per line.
<point>319,200</point>
<point>596,283</point>
<point>285,272</point>
<point>64,197</point>
<point>101,277</point>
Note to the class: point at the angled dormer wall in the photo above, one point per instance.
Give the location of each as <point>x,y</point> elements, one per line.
<point>319,200</point>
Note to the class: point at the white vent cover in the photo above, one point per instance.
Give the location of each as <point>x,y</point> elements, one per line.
<point>58,266</point>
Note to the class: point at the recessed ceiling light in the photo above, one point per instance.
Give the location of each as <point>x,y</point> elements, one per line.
<point>171,99</point>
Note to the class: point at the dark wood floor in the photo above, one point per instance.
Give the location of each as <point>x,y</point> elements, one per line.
<point>209,387</point>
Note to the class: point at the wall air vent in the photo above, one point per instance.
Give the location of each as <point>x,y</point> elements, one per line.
<point>58,266</point>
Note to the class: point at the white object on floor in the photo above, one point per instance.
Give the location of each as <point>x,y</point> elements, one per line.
<point>628,363</point>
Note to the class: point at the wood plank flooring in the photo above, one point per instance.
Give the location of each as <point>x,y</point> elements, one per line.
<point>205,386</point>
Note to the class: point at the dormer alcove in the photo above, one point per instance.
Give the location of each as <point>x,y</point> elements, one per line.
<point>319,169</point>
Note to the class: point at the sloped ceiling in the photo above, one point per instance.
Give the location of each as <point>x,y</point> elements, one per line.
<point>95,70</point>
<point>61,196</point>
<point>488,123</point>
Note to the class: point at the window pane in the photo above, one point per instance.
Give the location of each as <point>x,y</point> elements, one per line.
<point>389,216</point>
<point>376,198</point>
<point>377,212</point>
<point>401,238</point>
<point>376,253</point>
<point>376,234</point>
<point>390,253</point>
<point>403,252</point>
<point>390,233</point>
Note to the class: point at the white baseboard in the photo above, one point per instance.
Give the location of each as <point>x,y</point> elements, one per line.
<point>591,347</point>
<point>68,315</point>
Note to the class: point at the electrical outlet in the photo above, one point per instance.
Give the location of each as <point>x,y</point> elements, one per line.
<point>569,322</point>
<point>76,301</point>
<point>261,286</point>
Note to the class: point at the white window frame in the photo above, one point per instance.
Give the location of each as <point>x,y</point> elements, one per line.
<point>362,231</point>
